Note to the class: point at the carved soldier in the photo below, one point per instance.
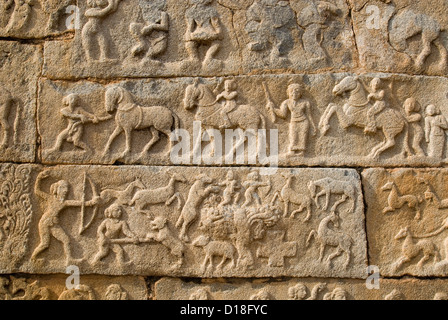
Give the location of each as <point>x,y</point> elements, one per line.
<point>301,119</point>
<point>412,110</point>
<point>314,19</point>
<point>229,95</point>
<point>377,96</point>
<point>94,33</point>
<point>49,224</point>
<point>269,24</point>
<point>435,127</point>
<point>76,117</point>
<point>152,36</point>
<point>203,29</point>
<point>110,234</point>
<point>252,185</point>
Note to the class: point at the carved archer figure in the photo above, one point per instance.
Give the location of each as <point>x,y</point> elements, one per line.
<point>49,224</point>
<point>76,117</point>
<point>93,33</point>
<point>252,186</point>
<point>203,29</point>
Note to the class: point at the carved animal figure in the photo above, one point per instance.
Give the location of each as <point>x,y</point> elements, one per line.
<point>31,291</point>
<point>411,250</point>
<point>289,195</point>
<point>245,117</point>
<point>328,237</point>
<point>215,249</point>
<point>6,104</point>
<point>396,201</point>
<point>190,213</point>
<point>122,197</point>
<point>354,114</point>
<point>130,117</point>
<point>408,24</point>
<point>165,195</point>
<point>330,186</point>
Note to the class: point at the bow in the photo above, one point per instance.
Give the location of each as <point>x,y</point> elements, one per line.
<point>83,227</point>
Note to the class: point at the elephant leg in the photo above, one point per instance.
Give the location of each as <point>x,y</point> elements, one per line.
<point>426,51</point>
<point>155,138</point>
<point>115,134</point>
<point>443,53</point>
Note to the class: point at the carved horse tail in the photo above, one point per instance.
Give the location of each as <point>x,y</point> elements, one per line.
<point>19,109</point>
<point>312,234</point>
<point>176,125</point>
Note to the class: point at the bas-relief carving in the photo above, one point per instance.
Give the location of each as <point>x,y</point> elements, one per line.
<point>409,37</point>
<point>363,121</point>
<point>411,203</point>
<point>300,289</point>
<point>118,224</point>
<point>207,37</point>
<point>53,288</point>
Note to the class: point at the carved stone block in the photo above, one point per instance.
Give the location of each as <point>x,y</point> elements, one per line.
<point>54,287</point>
<point>19,70</point>
<point>300,289</point>
<point>322,120</point>
<point>402,36</point>
<point>29,19</point>
<point>407,221</point>
<point>196,222</point>
<point>163,38</point>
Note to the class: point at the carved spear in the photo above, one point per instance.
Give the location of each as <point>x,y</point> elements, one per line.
<point>270,103</point>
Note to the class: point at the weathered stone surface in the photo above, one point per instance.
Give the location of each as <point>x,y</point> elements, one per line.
<point>404,36</point>
<point>324,120</point>
<point>54,288</point>
<point>19,70</point>
<point>407,221</point>
<point>201,222</point>
<point>27,19</point>
<point>208,38</point>
<point>300,289</point>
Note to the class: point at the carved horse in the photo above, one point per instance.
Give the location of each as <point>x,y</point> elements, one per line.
<point>407,24</point>
<point>244,117</point>
<point>396,201</point>
<point>130,117</point>
<point>328,237</point>
<point>354,114</point>
<point>6,104</point>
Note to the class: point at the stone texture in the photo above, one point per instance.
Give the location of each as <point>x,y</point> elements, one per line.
<point>30,19</point>
<point>300,289</point>
<point>19,70</point>
<point>401,36</point>
<point>192,222</point>
<point>331,132</point>
<point>54,288</point>
<point>410,202</point>
<point>147,39</point>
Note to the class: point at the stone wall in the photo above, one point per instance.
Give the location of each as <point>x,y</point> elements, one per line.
<point>223,149</point>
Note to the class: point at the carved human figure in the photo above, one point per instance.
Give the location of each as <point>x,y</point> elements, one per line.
<point>203,29</point>
<point>229,96</point>
<point>56,201</point>
<point>76,117</point>
<point>412,113</point>
<point>151,37</point>
<point>269,24</point>
<point>161,233</point>
<point>190,212</point>
<point>252,185</point>
<point>5,6</point>
<point>376,96</point>
<point>20,16</point>
<point>263,294</point>
<point>315,19</point>
<point>80,293</point>
<point>115,292</point>
<point>435,127</point>
<point>231,194</point>
<point>301,119</point>
<point>337,294</point>
<point>110,235</point>
<point>94,33</point>
<point>299,291</point>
